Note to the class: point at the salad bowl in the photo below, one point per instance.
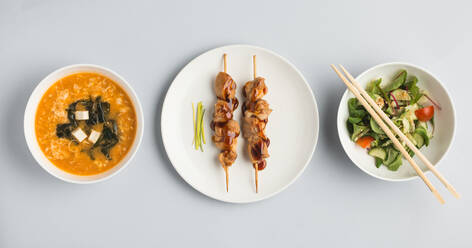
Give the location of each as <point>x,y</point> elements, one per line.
<point>444,122</point>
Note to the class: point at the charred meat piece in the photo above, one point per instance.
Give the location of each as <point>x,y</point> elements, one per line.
<point>225,137</point>
<point>227,157</point>
<point>260,165</point>
<point>259,109</point>
<point>258,149</point>
<point>255,89</point>
<point>223,111</point>
<point>225,87</point>
<point>252,126</point>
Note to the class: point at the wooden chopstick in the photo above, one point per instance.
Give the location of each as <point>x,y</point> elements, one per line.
<point>401,135</point>
<point>389,133</point>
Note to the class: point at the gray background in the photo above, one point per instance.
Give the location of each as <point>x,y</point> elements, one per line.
<point>148,205</point>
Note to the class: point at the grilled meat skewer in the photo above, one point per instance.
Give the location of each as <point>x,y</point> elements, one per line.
<point>256,113</point>
<point>226,130</point>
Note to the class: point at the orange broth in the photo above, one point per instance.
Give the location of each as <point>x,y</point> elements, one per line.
<point>68,154</point>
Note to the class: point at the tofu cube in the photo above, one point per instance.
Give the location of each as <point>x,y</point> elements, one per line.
<point>93,137</point>
<point>79,134</point>
<point>81,115</point>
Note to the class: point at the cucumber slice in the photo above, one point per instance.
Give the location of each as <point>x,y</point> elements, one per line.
<point>396,163</point>
<point>375,127</point>
<point>424,133</point>
<point>423,124</point>
<point>378,153</point>
<point>419,140</point>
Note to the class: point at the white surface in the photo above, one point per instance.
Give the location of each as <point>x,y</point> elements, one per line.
<point>333,203</point>
<point>293,136</point>
<point>30,115</point>
<point>444,122</point>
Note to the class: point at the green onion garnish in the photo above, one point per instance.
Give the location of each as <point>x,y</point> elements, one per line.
<point>199,134</point>
<point>194,128</point>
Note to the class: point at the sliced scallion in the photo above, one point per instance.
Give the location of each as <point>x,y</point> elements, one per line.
<point>203,127</point>
<point>199,130</point>
<point>194,127</point>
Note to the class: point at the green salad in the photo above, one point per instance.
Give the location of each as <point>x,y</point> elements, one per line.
<point>409,107</point>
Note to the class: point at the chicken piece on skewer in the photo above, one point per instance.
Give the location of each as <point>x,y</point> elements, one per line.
<point>258,150</point>
<point>255,89</point>
<point>223,112</point>
<point>226,134</point>
<point>225,87</point>
<point>259,109</point>
<point>252,127</point>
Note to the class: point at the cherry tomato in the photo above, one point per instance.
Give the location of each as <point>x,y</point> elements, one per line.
<point>365,141</point>
<point>425,114</point>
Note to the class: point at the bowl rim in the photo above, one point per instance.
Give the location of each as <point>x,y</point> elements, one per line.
<point>299,73</point>
<point>440,84</point>
<point>34,147</point>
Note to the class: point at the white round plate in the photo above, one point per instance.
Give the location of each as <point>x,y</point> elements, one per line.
<point>292,126</point>
<point>444,121</point>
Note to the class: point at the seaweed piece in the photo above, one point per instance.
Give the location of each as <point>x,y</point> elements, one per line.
<point>107,141</point>
<point>71,114</point>
<point>114,127</point>
<point>65,130</point>
<point>98,111</point>
<point>103,108</point>
<point>93,118</point>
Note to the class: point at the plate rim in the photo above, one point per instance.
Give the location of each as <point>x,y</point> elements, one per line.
<point>454,127</point>
<point>316,133</point>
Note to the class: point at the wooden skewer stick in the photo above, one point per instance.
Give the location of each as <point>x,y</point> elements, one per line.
<point>256,166</point>
<point>401,135</point>
<point>227,177</point>
<point>256,171</point>
<point>389,133</point>
<point>225,61</point>
<point>254,68</point>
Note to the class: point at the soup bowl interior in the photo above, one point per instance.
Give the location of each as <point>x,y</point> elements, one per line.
<point>444,122</point>
<point>30,115</point>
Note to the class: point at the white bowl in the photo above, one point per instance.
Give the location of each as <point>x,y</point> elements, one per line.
<point>30,113</point>
<point>444,122</point>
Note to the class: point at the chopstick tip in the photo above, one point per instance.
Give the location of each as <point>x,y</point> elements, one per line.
<point>438,196</point>
<point>454,192</point>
